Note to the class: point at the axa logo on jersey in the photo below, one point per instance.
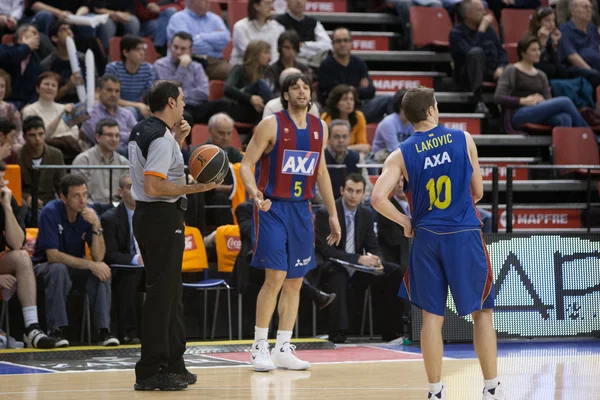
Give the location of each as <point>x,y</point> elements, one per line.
<point>299,162</point>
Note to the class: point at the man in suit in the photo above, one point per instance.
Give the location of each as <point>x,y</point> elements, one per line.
<point>357,246</point>
<point>243,274</point>
<point>121,248</point>
<point>395,247</point>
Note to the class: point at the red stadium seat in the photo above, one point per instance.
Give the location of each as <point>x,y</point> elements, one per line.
<point>114,49</point>
<point>216,90</point>
<point>236,10</point>
<point>511,51</point>
<point>8,39</point>
<point>573,146</point>
<point>200,135</point>
<point>215,7</point>
<point>371,128</point>
<point>515,22</point>
<point>227,51</point>
<point>430,26</point>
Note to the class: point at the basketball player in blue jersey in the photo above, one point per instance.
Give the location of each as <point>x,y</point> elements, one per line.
<point>287,151</point>
<point>444,180</point>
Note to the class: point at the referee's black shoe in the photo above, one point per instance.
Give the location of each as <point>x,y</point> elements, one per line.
<point>162,381</point>
<point>187,377</point>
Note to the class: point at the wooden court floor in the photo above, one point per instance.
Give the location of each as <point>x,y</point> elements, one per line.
<point>528,376</point>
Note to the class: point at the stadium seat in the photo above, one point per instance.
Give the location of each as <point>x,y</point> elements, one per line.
<point>575,146</point>
<point>423,19</point>
<point>205,286</point>
<point>216,90</point>
<point>8,38</point>
<point>114,49</point>
<point>215,7</point>
<point>532,128</point>
<point>194,253</point>
<point>236,10</point>
<point>200,135</point>
<point>12,179</point>
<point>371,128</point>
<point>227,51</point>
<point>515,22</point>
<point>228,245</point>
<point>511,51</point>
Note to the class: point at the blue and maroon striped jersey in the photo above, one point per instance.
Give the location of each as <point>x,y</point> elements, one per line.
<point>289,171</point>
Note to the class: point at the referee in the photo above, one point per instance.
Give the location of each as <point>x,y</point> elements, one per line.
<point>158,186</point>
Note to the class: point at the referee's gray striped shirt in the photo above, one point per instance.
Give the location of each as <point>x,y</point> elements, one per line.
<point>154,151</point>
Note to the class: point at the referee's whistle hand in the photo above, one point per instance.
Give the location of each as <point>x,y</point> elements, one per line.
<point>100,270</point>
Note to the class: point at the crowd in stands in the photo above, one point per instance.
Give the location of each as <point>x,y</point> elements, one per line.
<point>231,75</point>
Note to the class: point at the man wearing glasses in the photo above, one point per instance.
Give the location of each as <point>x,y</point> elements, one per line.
<point>341,67</point>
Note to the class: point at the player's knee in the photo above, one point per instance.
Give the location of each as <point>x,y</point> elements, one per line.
<point>432,320</point>
<point>274,280</point>
<point>482,316</point>
<point>293,284</point>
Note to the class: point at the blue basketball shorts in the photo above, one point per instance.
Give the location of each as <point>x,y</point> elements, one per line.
<point>459,260</point>
<point>284,238</point>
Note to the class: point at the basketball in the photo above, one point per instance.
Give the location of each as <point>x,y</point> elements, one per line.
<point>208,163</point>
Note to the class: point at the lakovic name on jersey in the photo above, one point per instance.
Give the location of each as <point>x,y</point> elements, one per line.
<point>434,143</point>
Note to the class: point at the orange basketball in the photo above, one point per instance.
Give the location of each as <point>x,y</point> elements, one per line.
<point>208,163</point>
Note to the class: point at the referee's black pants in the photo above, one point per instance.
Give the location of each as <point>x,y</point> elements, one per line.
<point>159,231</point>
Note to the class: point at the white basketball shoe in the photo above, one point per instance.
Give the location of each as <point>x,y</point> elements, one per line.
<point>494,394</point>
<point>438,396</point>
<point>261,359</point>
<point>284,358</point>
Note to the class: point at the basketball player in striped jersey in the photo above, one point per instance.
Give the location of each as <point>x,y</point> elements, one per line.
<point>444,179</point>
<point>287,151</point>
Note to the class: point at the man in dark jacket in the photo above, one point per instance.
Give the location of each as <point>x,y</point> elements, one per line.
<point>121,248</point>
<point>476,50</point>
<point>357,246</point>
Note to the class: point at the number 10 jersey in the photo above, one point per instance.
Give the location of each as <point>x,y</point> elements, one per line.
<point>439,173</point>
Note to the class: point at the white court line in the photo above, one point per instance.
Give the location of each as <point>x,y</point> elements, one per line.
<point>229,388</point>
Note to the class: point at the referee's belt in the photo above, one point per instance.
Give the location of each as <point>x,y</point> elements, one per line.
<point>181,203</point>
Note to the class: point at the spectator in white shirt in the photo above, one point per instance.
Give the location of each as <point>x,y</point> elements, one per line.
<point>315,42</point>
<point>257,26</point>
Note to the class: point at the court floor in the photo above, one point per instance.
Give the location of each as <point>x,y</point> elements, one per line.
<point>528,371</point>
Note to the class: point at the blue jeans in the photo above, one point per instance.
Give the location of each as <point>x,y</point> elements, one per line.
<point>108,30</point>
<point>558,111</point>
<point>158,27</point>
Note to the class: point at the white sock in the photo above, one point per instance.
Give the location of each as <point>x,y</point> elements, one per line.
<point>435,388</point>
<point>30,315</point>
<point>260,333</point>
<point>491,383</point>
<point>282,338</point>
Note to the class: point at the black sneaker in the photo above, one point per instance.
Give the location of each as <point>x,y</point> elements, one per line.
<point>59,338</point>
<point>107,339</point>
<point>35,338</point>
<point>130,338</point>
<point>187,377</point>
<point>161,381</point>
